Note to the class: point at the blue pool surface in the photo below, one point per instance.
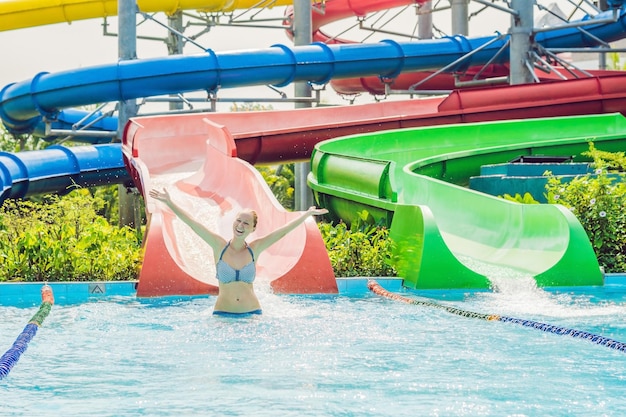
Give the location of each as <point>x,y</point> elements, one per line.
<point>352,354</point>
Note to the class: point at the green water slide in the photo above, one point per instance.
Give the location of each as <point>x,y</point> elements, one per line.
<point>447,235</point>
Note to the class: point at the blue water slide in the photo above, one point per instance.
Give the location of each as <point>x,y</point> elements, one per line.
<point>25,104</point>
<point>58,169</point>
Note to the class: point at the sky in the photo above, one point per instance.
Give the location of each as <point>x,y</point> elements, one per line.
<point>80,44</point>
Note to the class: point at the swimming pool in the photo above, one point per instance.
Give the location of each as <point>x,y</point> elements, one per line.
<point>344,355</point>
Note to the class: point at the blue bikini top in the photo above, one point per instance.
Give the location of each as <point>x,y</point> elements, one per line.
<point>226,273</point>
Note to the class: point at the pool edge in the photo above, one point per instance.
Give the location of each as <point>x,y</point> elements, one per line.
<point>24,294</point>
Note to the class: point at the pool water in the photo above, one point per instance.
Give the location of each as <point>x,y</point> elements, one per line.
<point>320,356</point>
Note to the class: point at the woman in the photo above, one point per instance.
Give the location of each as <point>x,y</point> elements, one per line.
<point>235,258</point>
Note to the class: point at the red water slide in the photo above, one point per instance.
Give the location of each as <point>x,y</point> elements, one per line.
<point>290,135</point>
<point>336,10</point>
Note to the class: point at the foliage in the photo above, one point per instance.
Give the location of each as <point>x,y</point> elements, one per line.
<point>364,249</point>
<point>109,195</point>
<point>64,239</point>
<point>250,107</point>
<point>598,201</point>
<point>281,180</point>
<point>19,143</point>
<point>527,198</point>
<point>616,63</point>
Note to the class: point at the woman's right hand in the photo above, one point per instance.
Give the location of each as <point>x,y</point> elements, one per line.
<point>159,195</point>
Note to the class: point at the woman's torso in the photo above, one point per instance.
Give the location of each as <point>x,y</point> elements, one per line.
<point>237,297</point>
<point>237,272</point>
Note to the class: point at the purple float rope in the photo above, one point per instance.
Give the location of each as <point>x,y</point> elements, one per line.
<point>564,331</point>
<point>10,358</point>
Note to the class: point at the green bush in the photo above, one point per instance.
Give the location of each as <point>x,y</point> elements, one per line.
<point>598,201</point>
<point>64,239</point>
<point>280,179</point>
<point>19,143</point>
<point>527,198</point>
<point>364,249</point>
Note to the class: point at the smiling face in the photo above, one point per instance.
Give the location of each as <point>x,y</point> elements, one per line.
<point>244,224</point>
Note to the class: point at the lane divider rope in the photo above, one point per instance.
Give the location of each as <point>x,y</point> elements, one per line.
<point>376,288</point>
<point>10,358</point>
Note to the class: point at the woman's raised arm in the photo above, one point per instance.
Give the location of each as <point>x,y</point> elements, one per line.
<point>268,240</point>
<point>214,240</point>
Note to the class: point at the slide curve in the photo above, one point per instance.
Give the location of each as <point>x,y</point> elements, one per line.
<point>449,236</point>
<point>200,162</point>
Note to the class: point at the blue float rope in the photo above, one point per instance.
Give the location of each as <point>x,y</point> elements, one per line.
<point>10,358</point>
<point>564,331</point>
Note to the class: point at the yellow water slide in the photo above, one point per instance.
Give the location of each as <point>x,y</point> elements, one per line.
<point>20,14</point>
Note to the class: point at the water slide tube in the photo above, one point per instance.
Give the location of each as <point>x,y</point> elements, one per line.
<point>58,169</point>
<point>291,135</point>
<point>155,147</point>
<point>23,104</point>
<point>335,10</point>
<point>449,236</point>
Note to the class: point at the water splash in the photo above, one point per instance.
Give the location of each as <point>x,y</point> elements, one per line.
<point>518,294</point>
